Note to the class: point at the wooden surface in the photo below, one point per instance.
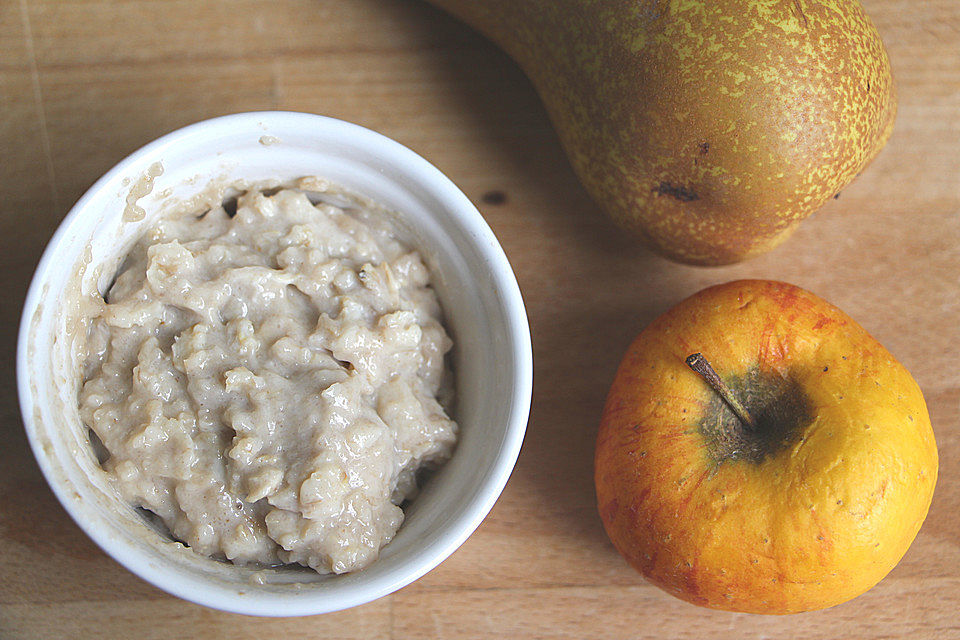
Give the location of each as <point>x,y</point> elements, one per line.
<point>83,83</point>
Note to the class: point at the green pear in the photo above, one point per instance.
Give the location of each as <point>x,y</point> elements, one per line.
<point>710,128</point>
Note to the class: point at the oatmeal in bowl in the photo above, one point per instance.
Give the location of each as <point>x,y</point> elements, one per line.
<point>287,402</point>
<point>265,380</point>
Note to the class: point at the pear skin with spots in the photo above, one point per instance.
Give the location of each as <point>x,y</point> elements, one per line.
<point>811,504</point>
<point>708,128</point>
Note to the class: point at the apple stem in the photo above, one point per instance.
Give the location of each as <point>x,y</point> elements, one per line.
<point>703,367</point>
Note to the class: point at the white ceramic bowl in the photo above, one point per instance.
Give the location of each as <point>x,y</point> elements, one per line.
<point>484,312</point>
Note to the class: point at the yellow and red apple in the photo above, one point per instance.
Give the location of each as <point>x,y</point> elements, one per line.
<point>790,472</point>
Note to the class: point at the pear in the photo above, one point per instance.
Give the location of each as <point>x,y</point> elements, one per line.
<point>709,128</point>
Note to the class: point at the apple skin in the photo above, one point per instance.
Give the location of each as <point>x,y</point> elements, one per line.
<point>812,524</point>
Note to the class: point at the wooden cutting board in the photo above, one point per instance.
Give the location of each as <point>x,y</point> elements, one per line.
<point>84,82</point>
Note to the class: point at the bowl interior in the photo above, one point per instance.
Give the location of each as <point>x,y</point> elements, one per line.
<point>483,313</point>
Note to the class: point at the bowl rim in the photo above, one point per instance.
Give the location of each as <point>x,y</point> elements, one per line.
<point>455,533</point>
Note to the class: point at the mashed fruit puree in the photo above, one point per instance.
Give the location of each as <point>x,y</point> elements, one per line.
<point>267,382</point>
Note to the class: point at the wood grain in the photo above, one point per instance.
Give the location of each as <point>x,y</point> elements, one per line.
<point>83,83</point>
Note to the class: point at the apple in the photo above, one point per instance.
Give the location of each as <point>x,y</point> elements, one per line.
<point>759,451</point>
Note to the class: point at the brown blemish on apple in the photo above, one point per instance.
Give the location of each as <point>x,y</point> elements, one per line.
<point>638,503</point>
<point>822,322</point>
<point>826,542</point>
<point>772,350</point>
<point>691,492</point>
<point>610,509</point>
<point>694,590</point>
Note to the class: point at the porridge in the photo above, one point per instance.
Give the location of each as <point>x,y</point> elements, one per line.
<point>269,383</point>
